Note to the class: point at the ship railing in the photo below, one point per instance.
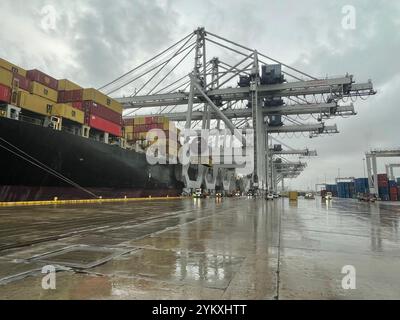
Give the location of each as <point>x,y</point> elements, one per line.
<point>35,121</point>
<point>69,130</point>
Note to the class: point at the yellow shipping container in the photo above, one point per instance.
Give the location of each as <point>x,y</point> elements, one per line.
<point>12,67</point>
<point>6,77</point>
<point>100,98</point>
<point>128,129</point>
<point>66,111</point>
<point>34,103</point>
<point>15,96</point>
<point>43,91</point>
<point>129,136</point>
<point>66,85</point>
<point>139,121</point>
<point>293,195</point>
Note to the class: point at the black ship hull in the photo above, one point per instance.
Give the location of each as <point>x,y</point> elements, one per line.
<point>94,167</point>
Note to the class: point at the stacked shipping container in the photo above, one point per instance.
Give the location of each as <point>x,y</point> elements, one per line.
<point>40,93</point>
<point>42,78</point>
<point>101,112</point>
<point>137,129</point>
<point>361,185</point>
<point>346,189</point>
<point>333,189</point>
<point>383,187</point>
<point>393,193</point>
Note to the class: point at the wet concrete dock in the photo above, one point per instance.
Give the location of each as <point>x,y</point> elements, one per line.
<point>202,249</point>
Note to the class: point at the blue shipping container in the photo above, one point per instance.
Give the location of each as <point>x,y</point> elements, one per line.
<point>361,185</point>
<point>341,186</point>
<point>333,189</point>
<point>351,189</point>
<point>384,193</point>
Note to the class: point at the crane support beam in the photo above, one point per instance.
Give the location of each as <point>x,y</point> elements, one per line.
<point>320,128</point>
<point>227,122</point>
<point>314,128</point>
<point>324,108</point>
<point>304,152</point>
<point>342,86</point>
<point>389,170</point>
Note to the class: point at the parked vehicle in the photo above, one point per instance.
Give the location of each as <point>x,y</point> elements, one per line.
<point>270,196</point>
<point>328,196</point>
<point>198,194</point>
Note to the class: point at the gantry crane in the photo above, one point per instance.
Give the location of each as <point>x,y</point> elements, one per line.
<point>209,96</point>
<point>389,170</point>
<point>372,168</point>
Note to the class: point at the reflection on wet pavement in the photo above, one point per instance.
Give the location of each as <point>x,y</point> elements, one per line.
<point>201,249</point>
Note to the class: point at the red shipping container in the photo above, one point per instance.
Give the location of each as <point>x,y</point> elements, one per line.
<point>23,83</point>
<point>5,94</point>
<point>149,120</point>
<point>128,122</point>
<point>61,97</point>
<point>105,125</point>
<point>78,105</point>
<point>156,126</point>
<point>70,96</point>
<point>382,176</point>
<point>41,77</point>
<point>99,110</point>
<point>383,180</point>
<point>393,196</point>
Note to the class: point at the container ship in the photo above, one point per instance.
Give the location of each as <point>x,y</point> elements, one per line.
<point>59,140</point>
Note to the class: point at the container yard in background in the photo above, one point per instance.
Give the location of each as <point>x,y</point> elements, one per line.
<point>389,190</point>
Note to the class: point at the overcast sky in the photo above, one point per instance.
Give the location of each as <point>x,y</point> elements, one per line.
<point>93,42</point>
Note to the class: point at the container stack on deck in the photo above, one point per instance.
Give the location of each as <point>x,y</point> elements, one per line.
<point>101,112</point>
<point>139,130</point>
<point>36,92</point>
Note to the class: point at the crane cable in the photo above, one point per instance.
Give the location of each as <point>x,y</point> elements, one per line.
<point>42,166</point>
<point>144,63</point>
